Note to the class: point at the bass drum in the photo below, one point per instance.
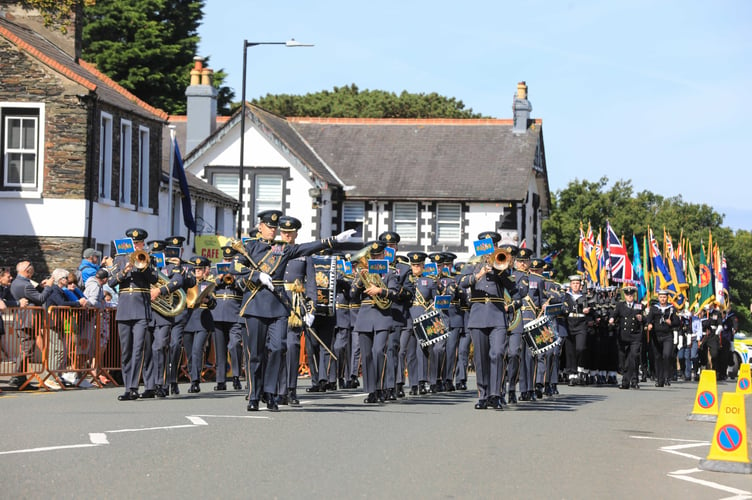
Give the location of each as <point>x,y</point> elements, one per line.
<point>325,274</point>
<point>430,328</point>
<point>540,335</point>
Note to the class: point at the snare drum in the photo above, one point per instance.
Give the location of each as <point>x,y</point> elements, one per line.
<point>540,335</point>
<point>430,328</point>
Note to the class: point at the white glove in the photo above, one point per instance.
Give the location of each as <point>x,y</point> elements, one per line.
<point>266,280</point>
<point>308,318</point>
<point>345,236</point>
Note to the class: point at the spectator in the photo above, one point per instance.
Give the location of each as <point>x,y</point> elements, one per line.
<point>6,301</point>
<point>26,292</point>
<point>72,291</point>
<point>89,264</point>
<point>97,298</point>
<point>57,361</point>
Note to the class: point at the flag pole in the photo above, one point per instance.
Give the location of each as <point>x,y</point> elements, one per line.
<point>170,203</point>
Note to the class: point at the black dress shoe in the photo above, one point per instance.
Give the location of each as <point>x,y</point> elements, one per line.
<point>554,389</point>
<point>253,405</point>
<point>194,388</point>
<point>423,389</point>
<point>148,394</point>
<point>331,386</point>
<point>634,385</point>
<point>380,396</point>
<point>659,384</point>
<point>391,395</point>
<point>461,385</point>
<point>355,382</point>
<point>313,388</point>
<point>174,389</point>
<point>433,389</point>
<point>539,391</point>
<point>371,399</point>
<point>342,384</point>
<point>159,391</point>
<point>668,383</point>
<point>525,396</point>
<point>439,386</point>
<point>503,400</point>
<point>482,404</point>
<point>221,386</point>
<point>283,400</point>
<point>495,403</point>
<point>449,386</point>
<point>512,398</point>
<point>272,404</point>
<point>236,385</point>
<point>624,386</point>
<point>414,390</point>
<point>292,397</point>
<point>131,395</point>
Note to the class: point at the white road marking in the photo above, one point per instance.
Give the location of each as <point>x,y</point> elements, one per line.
<point>711,484</point>
<point>98,438</point>
<point>48,448</point>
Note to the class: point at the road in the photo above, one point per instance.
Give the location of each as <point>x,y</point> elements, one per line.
<point>589,442</point>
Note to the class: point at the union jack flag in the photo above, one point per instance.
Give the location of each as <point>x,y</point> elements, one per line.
<point>621,267</point>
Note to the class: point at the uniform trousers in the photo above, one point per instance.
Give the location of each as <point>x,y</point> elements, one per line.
<point>392,352</point>
<point>629,356</point>
<point>576,349</point>
<point>194,343</point>
<point>132,335</point>
<point>354,354</point>
<point>512,359</point>
<point>372,346</point>
<point>176,343</point>
<point>227,338</point>
<point>342,351</point>
<point>490,346</point>
<point>463,356</point>
<point>159,348</point>
<point>450,363</point>
<point>663,344</point>
<point>264,334</point>
<point>288,373</point>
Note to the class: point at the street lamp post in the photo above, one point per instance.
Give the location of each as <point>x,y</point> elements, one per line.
<point>246,44</point>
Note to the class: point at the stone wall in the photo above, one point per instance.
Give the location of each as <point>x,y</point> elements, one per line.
<point>45,253</point>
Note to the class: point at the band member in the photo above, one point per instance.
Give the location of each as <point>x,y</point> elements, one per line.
<point>447,285</point>
<point>177,266</point>
<point>556,291</point>
<point>579,320</point>
<point>531,290</point>
<point>551,294</point>
<point>200,321</point>
<point>319,324</point>
<point>463,347</point>
<point>628,320</point>
<point>394,381</point>
<point>374,320</point>
<point>134,278</point>
<point>418,358</point>
<point>661,321</point>
<point>488,323</point>
<point>343,327</point>
<point>227,326</point>
<point>265,309</point>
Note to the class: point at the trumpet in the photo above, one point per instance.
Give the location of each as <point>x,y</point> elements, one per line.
<point>499,260</point>
<point>140,260</point>
<point>228,279</point>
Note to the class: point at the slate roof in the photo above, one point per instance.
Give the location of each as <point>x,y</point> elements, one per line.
<point>81,72</point>
<point>425,159</point>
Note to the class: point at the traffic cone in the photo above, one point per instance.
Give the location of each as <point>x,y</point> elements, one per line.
<point>729,449</point>
<point>706,399</point>
<point>744,381</point>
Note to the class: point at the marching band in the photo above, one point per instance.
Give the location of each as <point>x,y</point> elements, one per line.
<point>396,320</point>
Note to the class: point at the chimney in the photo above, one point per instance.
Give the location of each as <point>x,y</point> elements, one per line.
<point>201,107</point>
<point>521,109</point>
<point>66,33</point>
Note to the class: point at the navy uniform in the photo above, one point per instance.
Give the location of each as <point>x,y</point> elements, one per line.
<point>628,319</point>
<point>353,310</point>
<point>188,279</point>
<point>425,291</point>
<point>437,351</point>
<point>520,359</point>
<point>158,334</point>
<point>133,313</point>
<point>342,327</point>
<point>531,386</point>
<point>265,309</point>
<point>488,322</point>
<point>200,321</point>
<point>556,293</point>
<point>463,345</point>
<point>549,293</point>
<point>661,322</point>
<point>393,380</point>
<point>579,320</point>
<point>373,323</point>
<point>447,285</point>
<point>317,273</point>
<point>227,326</point>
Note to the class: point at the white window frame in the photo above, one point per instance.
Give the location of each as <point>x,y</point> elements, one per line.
<point>29,190</point>
<point>406,224</point>
<point>448,223</point>
<point>144,167</point>
<point>126,163</point>
<point>105,158</point>
<point>354,217</point>
<point>222,186</point>
<point>267,201</point>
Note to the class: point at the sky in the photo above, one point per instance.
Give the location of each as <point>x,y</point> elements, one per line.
<point>659,93</point>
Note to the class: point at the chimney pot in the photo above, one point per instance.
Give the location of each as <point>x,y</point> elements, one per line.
<point>206,76</point>
<point>522,90</point>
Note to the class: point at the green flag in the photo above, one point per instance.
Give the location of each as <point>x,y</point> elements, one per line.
<point>705,281</point>
<point>694,290</point>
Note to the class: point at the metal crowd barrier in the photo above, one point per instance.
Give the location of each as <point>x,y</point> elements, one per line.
<point>79,341</point>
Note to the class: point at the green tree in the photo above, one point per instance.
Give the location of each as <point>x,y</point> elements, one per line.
<point>147,46</point>
<point>351,102</point>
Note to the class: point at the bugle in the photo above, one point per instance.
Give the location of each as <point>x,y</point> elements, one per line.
<point>139,260</point>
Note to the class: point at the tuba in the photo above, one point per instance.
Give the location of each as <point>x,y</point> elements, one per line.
<point>171,305</point>
<point>361,258</point>
<point>140,260</point>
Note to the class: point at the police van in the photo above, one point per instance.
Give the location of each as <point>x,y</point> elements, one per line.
<point>741,353</point>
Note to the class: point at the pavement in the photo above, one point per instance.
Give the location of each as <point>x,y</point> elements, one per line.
<point>587,442</point>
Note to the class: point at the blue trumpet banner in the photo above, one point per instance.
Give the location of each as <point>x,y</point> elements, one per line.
<point>430,270</point>
<point>378,266</point>
<point>389,254</point>
<point>344,266</point>
<point>124,246</point>
<point>158,260</point>
<point>223,267</point>
<point>484,246</point>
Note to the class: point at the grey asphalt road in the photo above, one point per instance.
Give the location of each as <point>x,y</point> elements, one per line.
<point>588,442</point>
